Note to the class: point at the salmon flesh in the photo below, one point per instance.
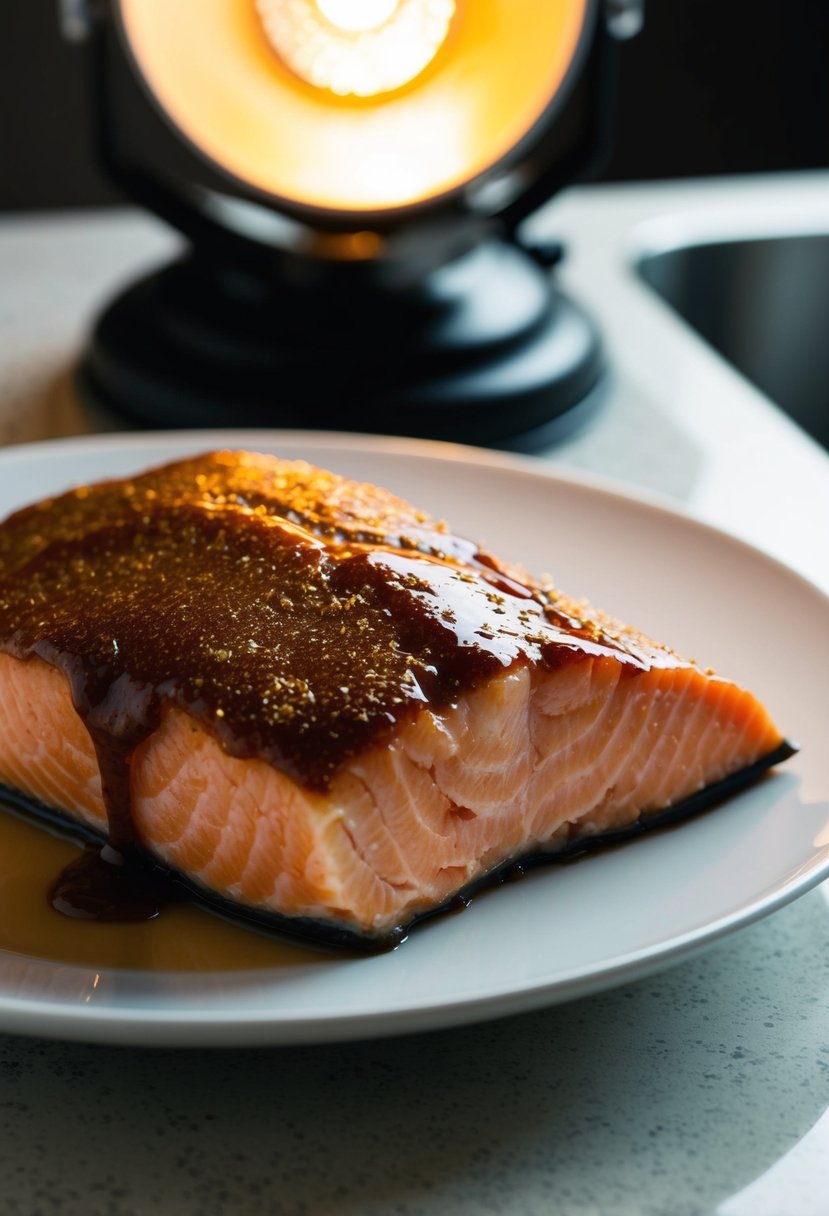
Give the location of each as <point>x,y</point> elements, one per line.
<point>319,709</point>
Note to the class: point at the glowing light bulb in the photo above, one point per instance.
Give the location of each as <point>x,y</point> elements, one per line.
<point>357,15</point>
<point>357,48</point>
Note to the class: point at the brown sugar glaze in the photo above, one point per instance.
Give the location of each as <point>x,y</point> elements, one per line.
<point>301,617</point>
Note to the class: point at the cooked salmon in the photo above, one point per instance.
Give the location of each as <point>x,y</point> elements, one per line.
<point>313,704</point>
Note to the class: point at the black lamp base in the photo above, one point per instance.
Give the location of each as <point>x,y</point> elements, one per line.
<point>485,350</point>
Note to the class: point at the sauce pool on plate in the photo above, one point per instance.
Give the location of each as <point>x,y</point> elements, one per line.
<point>185,938</point>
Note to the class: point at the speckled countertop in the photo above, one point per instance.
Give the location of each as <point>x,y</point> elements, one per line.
<point>667,1097</point>
<point>702,1090</point>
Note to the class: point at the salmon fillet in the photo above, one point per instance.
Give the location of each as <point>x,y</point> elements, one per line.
<point>319,709</point>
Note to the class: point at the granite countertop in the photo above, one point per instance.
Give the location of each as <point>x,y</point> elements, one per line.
<point>704,1089</point>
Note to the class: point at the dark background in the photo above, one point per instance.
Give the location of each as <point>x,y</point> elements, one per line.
<point>709,87</point>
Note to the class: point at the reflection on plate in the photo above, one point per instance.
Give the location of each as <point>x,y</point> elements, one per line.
<point>562,931</point>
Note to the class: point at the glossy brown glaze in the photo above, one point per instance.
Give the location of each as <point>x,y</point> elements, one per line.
<point>300,616</point>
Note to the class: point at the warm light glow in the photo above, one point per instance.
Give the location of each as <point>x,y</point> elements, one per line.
<point>357,48</point>
<point>357,15</point>
<point>213,70</point>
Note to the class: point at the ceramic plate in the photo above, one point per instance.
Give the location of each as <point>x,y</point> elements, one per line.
<point>562,931</point>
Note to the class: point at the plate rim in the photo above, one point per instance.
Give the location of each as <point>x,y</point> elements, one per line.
<point>135,1025</point>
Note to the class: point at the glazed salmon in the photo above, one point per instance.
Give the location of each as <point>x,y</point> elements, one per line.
<point>315,705</point>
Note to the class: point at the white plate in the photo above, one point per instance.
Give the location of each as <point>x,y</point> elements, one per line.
<point>561,932</point>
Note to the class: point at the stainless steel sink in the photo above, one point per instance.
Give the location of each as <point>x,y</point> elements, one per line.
<point>764,304</point>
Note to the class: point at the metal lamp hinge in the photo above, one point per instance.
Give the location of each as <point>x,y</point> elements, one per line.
<point>625,18</point>
<point>77,18</point>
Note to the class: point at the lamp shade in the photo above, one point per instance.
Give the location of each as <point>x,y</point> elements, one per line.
<point>225,75</point>
<point>351,179</point>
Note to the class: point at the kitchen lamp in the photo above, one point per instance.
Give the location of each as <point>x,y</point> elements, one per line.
<point>351,178</point>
